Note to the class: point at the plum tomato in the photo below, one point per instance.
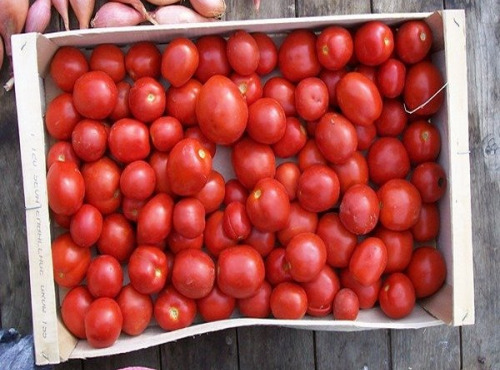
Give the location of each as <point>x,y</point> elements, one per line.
<point>258,305</point>
<point>147,99</point>
<point>110,59</point>
<point>387,159</point>
<point>67,65</point>
<point>70,262</point>
<point>423,81</point>
<point>213,193</point>
<point>117,237</point>
<point>336,137</point>
<point>138,180</point>
<point>188,217</point>
<point>399,246</point>
<point>143,59</point>
<point>366,136</point>
<point>86,225</point>
<point>288,301</point>
<point>359,209</point>
<point>136,308</point>
<point>345,305</point>
<point>266,121</point>
<point>104,276</point>
<point>181,102</point>
<point>427,271</point>
<point>397,296</point>
<point>154,221</point>
<point>390,78</point>
<point>422,141</point>
<point>215,239</point>
<point>297,58</point>
<point>173,311</point>
<point>193,273</point>
<point>413,41</point>
<point>373,43</point>
<point>293,140</point>
<point>212,58</point>
<point>73,309</point>
<point>165,132</point>
<point>339,241</point>
<point>242,52</point>
<point>176,242</point>
<point>235,192</point>
<point>179,61</point>
<point>306,255</point>
<point>321,291</point>
<point>148,269</point>
<point>311,98</point>
<point>262,241</point>
<point>353,171</point>
<point>61,117</point>
<point>268,53</point>
<point>310,155</point>
<point>283,91</point>
<point>194,132</point>
<point>215,305</point>
<point>95,95</point>
<point>250,86</point>
<point>331,79</point>
<point>367,295</point>
<point>236,223</point>
<point>65,188</point>
<point>427,227</point>
<point>122,109</point>
<point>400,204</point>
<point>299,221</point>
<point>89,139</point>
<point>393,119</point>
<point>430,180</point>
<point>318,188</point>
<point>128,140</point>
<point>277,267</point>
<point>158,161</point>
<point>368,261</point>
<point>288,174</point>
<point>334,47</point>
<point>103,322</point>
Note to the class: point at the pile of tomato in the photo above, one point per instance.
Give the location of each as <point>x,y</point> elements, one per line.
<point>332,207</point>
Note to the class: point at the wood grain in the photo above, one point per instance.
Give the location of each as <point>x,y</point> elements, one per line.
<point>321,7</point>
<point>238,9</point>
<point>385,6</point>
<point>149,357</point>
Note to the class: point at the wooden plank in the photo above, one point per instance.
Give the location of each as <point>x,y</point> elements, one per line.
<point>321,7</point>
<point>237,9</point>
<point>218,350</point>
<point>275,348</point>
<point>480,342</point>
<point>149,357</point>
<point>70,365</point>
<point>384,6</point>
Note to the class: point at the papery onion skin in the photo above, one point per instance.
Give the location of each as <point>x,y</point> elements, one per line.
<point>115,14</point>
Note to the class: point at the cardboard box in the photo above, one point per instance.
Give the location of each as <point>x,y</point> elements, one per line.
<point>453,304</point>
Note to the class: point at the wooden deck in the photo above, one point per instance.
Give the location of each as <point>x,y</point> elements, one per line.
<point>470,347</point>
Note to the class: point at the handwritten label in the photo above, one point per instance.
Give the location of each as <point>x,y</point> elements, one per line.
<point>491,151</point>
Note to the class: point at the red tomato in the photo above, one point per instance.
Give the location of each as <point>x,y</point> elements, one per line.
<point>262,241</point>
<point>236,223</point>
<point>179,61</point>
<point>67,65</point>
<point>138,180</point>
<point>397,296</point>
<point>306,255</point>
<point>104,276</point>
<point>242,52</point>
<point>235,192</point>
<point>62,151</point>
<point>193,274</point>
<point>148,269</point>
<point>391,78</point>
<point>136,308</point>
<point>400,204</point>
<point>427,271</point>
<point>299,221</point>
<point>122,109</point>
<point>351,172</point>
<point>331,79</point>
<point>387,159</point>
<point>174,311</point>
<point>250,86</point>
<point>181,102</point>
<point>422,141</point>
<point>288,301</point>
<point>359,209</point>
<point>367,295</point>
<point>334,47</point>
<point>189,165</point>
<point>321,291</point>
<point>311,98</point>
<point>131,207</point>
<point>268,206</point>
<point>128,140</point>
<point>368,260</point>
<point>213,57</point>
<point>216,305</point>
<point>194,132</point>
<point>318,189</point>
<point>110,59</point>
<point>336,138</point>
<point>430,180</point>
<point>297,58</point>
<point>268,53</point>
<point>65,188</point>
<point>158,160</point>
<point>61,117</point>
<point>86,226</point>
<point>413,41</point>
<point>366,136</point>
<point>310,155</point>
<point>155,219</point>
<point>240,271</point>
<point>176,242</point>
<point>95,95</point>
<point>188,217</point>
<point>103,322</point>
<point>221,110</point>
<point>143,59</point>
<point>277,267</point>
<point>399,246</point>
<point>283,91</point>
<point>213,193</point>
<point>373,43</point>
<point>423,80</point>
<point>73,309</point>
<point>288,174</point>
<point>392,120</point>
<point>215,238</point>
<point>359,99</point>
<point>89,139</point>
<point>427,226</point>
<point>147,99</point>
<point>117,237</point>
<point>258,305</point>
<point>293,140</point>
<point>345,305</point>
<point>266,121</point>
<point>339,241</point>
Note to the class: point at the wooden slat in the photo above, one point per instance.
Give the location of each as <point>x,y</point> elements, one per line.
<point>405,6</point>
<point>149,357</point>
<point>321,7</point>
<point>70,365</point>
<point>238,9</point>
<point>275,348</point>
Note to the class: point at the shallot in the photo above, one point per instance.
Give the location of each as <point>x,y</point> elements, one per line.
<point>83,10</point>
<point>256,4</point>
<point>209,8</point>
<point>115,14</point>
<point>38,16</point>
<point>163,2</point>
<point>139,6</point>
<point>62,7</point>
<point>12,19</point>
<point>175,14</point>
<point>1,52</point>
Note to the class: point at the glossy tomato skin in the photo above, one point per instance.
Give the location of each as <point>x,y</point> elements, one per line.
<point>393,119</point>
<point>189,165</point>
<point>336,137</point>
<point>213,57</point>
<point>422,141</point>
<point>277,267</point>
<point>86,226</point>
<point>242,52</point>
<point>174,311</point>
<point>117,237</point>
<point>235,192</point>
<point>67,65</point>
<point>321,291</point>
<point>428,224</point>
<point>373,43</point>
<point>359,99</point>
<point>397,296</point>
<point>306,256</point>
<point>318,188</point>
<point>367,295</point>
<point>427,271</point>
<point>331,79</point>
<point>65,188</point>
<point>387,159</point>
<point>121,109</point>
<point>288,174</point>
<point>310,155</point>
<point>136,308</point>
<point>334,47</point>
<point>297,58</point>
<point>215,305</point>
<point>103,322</point>
<point>368,260</point>
<point>400,204</point>
<point>188,217</point>
<point>339,241</point>
<point>266,121</point>
<point>413,41</point>
<point>430,180</point>
<point>345,305</point>
<point>193,273</point>
<point>213,193</point>
<point>95,95</point>
<point>73,309</point>
<point>268,53</point>
<point>221,110</point>
<point>128,140</point>
<point>399,246</point>
<point>351,172</point>
<point>194,132</point>
<point>176,242</point>
<point>147,99</point>
<point>359,209</point>
<point>179,61</point>
<point>155,219</point>
<point>311,98</point>
<point>366,136</point>
<point>262,241</point>
<point>138,180</point>
<point>110,59</point>
<point>148,269</point>
<point>240,271</point>
<point>299,221</point>
<point>236,223</point>
<point>423,80</point>
<point>104,276</point>
<point>391,78</point>
<point>258,305</point>
<point>143,59</point>
<point>283,91</point>
<point>158,161</point>
<point>252,162</point>
<point>293,140</point>
<point>181,102</point>
<point>250,86</point>
<point>288,301</point>
<point>89,140</point>
<point>215,238</point>
<point>61,117</point>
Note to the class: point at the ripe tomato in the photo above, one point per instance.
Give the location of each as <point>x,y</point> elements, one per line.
<point>215,239</point>
<point>427,271</point>
<point>268,206</point>
<point>73,309</point>
<point>423,80</point>
<point>311,98</point>
<point>89,140</point>
<point>430,180</point>
<point>131,207</point>
<point>147,99</point>
<point>174,311</point>
<point>242,52</point>
<point>213,57</point>
<point>250,86</point>
<point>288,174</point>
<point>366,136</point>
<point>399,246</point>
<point>359,99</point>
<point>277,267</point>
<point>391,78</point>
<point>334,47</point>
<point>318,188</point>
<point>236,223</point>
<point>104,276</point>
<point>136,308</point>
<point>413,41</point>
<point>221,110</point>
<point>392,120</point>
<point>283,91</point>
<point>121,108</point>
<point>65,188</point>
<point>188,217</point>
<point>95,95</point>
<point>387,159</point>
<point>310,155</point>
<point>67,65</point>
<point>268,53</point>
<point>339,241</point>
<point>61,117</point>
<point>181,102</point>
<point>103,322</point>
<point>422,141</point>
<point>189,165</point>
<point>179,61</point>
<point>235,192</point>
<point>293,140</point>
<point>117,237</point>
<point>321,291</point>
<point>336,137</point>
<point>400,204</point>
<point>128,140</point>
<point>288,301</point>
<point>297,58</point>
<point>345,305</point>
<point>194,132</point>
<point>110,59</point>
<point>158,160</point>
<point>397,296</point>
<point>240,271</point>
<point>62,151</point>
<point>213,193</point>
<point>266,121</point>
<point>262,241</point>
<point>427,226</point>
<point>306,256</point>
<point>368,260</point>
<point>70,262</point>
<point>176,242</point>
<point>148,269</point>
<point>373,43</point>
<point>143,59</point>
<point>359,209</point>
<point>193,273</point>
<point>155,219</point>
<point>86,226</point>
<point>258,305</point>
<point>353,171</point>
<point>367,295</point>
<point>299,221</point>
<point>216,305</point>
<point>138,180</point>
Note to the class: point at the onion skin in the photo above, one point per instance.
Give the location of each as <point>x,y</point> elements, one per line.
<point>62,7</point>
<point>38,16</point>
<point>83,10</point>
<point>12,19</point>
<point>163,2</point>
<point>139,6</point>
<point>176,14</point>
<point>1,52</point>
<point>114,14</point>
<point>209,8</point>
